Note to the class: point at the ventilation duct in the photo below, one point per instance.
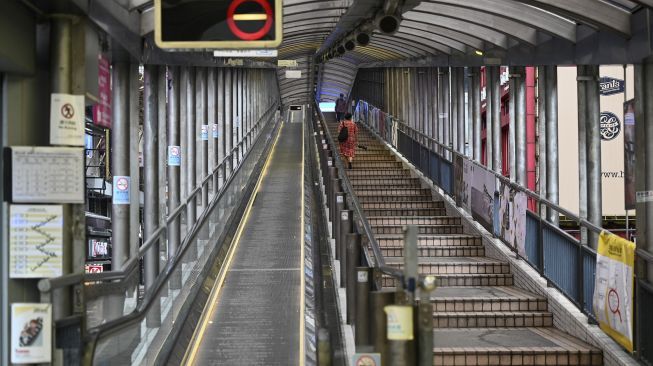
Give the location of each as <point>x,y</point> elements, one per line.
<point>350,45</point>
<point>387,23</point>
<point>341,50</point>
<point>363,38</point>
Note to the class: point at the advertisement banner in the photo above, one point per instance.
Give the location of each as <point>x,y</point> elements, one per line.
<point>629,154</point>
<point>482,197</point>
<point>31,333</point>
<point>512,218</point>
<point>102,111</point>
<point>613,288</point>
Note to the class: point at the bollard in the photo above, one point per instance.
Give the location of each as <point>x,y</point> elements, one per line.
<point>378,321</point>
<point>323,348</point>
<point>352,261</point>
<point>339,206</point>
<point>362,295</point>
<point>402,350</point>
<point>425,323</point>
<point>345,217</point>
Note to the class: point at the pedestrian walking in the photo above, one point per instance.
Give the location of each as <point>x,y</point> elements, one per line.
<point>348,138</point>
<point>341,107</point>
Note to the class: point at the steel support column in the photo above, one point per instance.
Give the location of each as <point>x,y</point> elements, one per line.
<point>453,100</point>
<point>174,172</point>
<point>203,119</point>
<point>495,85</point>
<point>541,128</point>
<point>191,136</point>
<point>512,127</point>
<point>520,124</point>
<point>594,199</point>
<point>228,124</point>
<point>476,112</point>
<point>460,81</point>
<point>551,94</point>
<point>220,90</point>
<point>213,126</point>
<point>446,136</point>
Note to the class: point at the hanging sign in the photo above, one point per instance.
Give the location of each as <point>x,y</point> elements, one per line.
<point>287,63</point>
<point>613,288</point>
<point>31,333</point>
<point>35,241</point>
<point>214,130</point>
<point>102,111</point>
<point>174,155</point>
<point>400,322</point>
<point>205,133</point>
<point>121,185</point>
<point>293,74</point>
<point>609,86</point>
<point>67,119</point>
<point>610,126</point>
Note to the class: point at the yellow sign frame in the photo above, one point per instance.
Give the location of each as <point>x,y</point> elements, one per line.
<point>278,31</point>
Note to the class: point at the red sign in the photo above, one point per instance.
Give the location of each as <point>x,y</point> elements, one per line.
<point>102,110</point>
<point>232,17</point>
<point>94,268</point>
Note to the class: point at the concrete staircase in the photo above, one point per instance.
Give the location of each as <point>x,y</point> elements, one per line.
<point>480,318</point>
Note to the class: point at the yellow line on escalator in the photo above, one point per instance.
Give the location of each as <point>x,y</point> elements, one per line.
<point>207,314</point>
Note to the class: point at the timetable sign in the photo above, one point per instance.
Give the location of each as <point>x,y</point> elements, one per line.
<point>218,24</point>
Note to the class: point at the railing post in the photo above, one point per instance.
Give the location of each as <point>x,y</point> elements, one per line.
<point>345,227</point>
<point>361,320</point>
<point>425,323</point>
<point>352,262</point>
<point>339,205</point>
<point>378,321</point>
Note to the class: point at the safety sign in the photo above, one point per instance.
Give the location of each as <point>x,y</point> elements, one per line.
<point>400,322</point>
<point>67,119</point>
<point>121,185</point>
<point>366,359</point>
<point>613,288</point>
<point>174,155</point>
<point>214,130</point>
<point>205,133</point>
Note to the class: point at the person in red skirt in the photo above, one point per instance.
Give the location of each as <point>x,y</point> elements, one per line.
<point>348,147</point>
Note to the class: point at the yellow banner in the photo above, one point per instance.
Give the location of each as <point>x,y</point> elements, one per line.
<point>613,288</point>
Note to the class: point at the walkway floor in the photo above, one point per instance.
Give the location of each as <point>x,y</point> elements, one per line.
<point>256,320</point>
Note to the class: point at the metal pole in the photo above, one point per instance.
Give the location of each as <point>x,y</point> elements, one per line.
<point>582,150</point>
<point>541,127</point>
<point>552,139</point>
<point>235,116</point>
<point>191,210</point>
<point>204,133</point>
<point>520,131</point>
<point>162,96</point>
<point>339,206</point>
<point>496,119</point>
<point>512,127</point>
<point>361,320</point>
<point>174,171</point>
<point>212,98</point>
<point>151,184</point>
<point>228,119</point>
<point>476,111</point>
<point>489,126</point>
<point>425,323</point>
<point>453,81</point>
<point>220,90</point>
<point>352,262</point>
<point>379,322</point>
<point>460,80</point>
<point>344,217</point>
<point>445,104</point>
<point>594,200</point>
<point>120,161</point>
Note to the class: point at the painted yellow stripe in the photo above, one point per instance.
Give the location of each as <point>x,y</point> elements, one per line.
<point>250,16</point>
<point>207,314</point>
<point>302,299</point>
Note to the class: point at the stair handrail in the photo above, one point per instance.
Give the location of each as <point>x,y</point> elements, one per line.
<point>379,260</point>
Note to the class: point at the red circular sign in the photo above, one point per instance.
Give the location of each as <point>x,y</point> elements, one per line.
<point>247,36</point>
<point>122,184</point>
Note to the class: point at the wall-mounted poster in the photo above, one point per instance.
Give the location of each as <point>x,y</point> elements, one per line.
<point>512,218</point>
<point>31,333</point>
<point>482,197</point>
<point>458,184</point>
<point>468,178</point>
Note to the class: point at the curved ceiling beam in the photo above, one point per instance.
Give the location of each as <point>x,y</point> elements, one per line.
<point>522,13</point>
<point>489,35</point>
<point>434,40</point>
<point>420,29</point>
<point>311,6</point>
<point>407,41</point>
<point>510,28</point>
<point>592,12</point>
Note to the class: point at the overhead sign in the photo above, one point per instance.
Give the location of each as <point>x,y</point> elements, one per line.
<point>293,74</point>
<point>102,111</point>
<point>609,86</point>
<point>287,63</point>
<point>245,53</point>
<point>218,24</point>
<point>67,119</point>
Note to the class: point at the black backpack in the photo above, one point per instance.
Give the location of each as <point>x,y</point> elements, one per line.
<point>344,134</point>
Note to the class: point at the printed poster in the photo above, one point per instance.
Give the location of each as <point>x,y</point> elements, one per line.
<point>512,218</point>
<point>613,288</point>
<point>468,174</point>
<point>482,197</point>
<point>458,179</point>
<point>31,333</point>
<point>35,241</point>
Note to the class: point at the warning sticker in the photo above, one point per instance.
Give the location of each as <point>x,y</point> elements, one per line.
<point>67,119</point>
<point>362,276</point>
<point>205,133</point>
<point>644,196</point>
<point>214,130</point>
<point>366,359</point>
<point>121,189</point>
<point>174,155</point>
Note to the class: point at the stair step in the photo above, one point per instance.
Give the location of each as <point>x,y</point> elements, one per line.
<point>413,220</point>
<point>511,346</point>
<point>443,251</point>
<point>361,192</point>
<point>362,164</point>
<point>446,280</point>
<point>402,205</point>
<point>431,240</point>
<point>365,181</point>
<point>455,265</point>
<point>422,229</point>
<point>397,172</point>
<point>382,198</point>
<point>513,319</point>
<point>406,212</point>
<point>476,299</point>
